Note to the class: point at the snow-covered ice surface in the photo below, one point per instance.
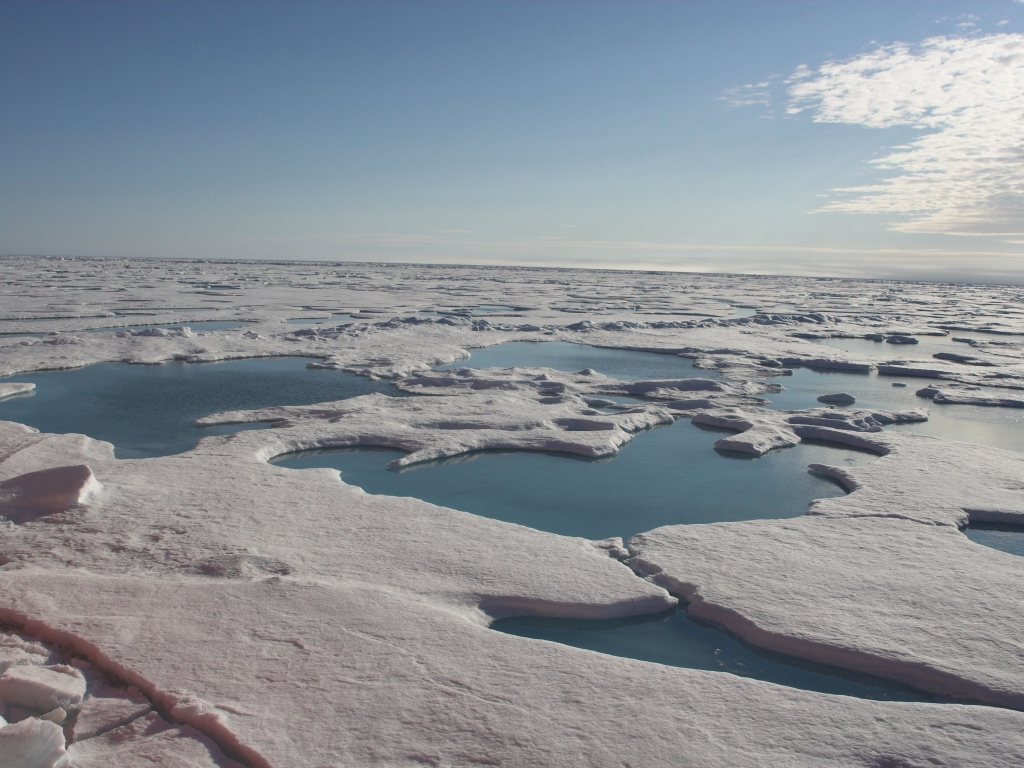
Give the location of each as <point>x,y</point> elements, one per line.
<point>918,603</point>
<point>288,619</point>
<point>534,409</point>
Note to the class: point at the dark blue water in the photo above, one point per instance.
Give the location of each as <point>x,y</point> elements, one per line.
<point>668,475</point>
<point>1008,538</point>
<point>563,356</point>
<point>676,640</point>
<point>148,410</point>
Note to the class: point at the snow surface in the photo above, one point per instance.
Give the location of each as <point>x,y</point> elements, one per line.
<point>284,618</point>
<point>929,480</point>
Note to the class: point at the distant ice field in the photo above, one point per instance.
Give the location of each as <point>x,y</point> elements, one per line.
<point>997,427</point>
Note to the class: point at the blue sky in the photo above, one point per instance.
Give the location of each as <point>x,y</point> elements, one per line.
<point>703,136</point>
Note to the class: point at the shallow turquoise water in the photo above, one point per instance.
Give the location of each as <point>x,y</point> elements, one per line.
<point>995,427</point>
<point>666,476</point>
<point>148,410</point>
<point>674,639</point>
<point>1008,538</point>
<point>563,356</point>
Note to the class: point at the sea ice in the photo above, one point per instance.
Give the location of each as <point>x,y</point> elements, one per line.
<point>883,596</point>
<point>147,740</point>
<point>837,398</point>
<point>348,628</point>
<point>46,492</point>
<point>42,689</point>
<point>107,709</point>
<point>762,431</point>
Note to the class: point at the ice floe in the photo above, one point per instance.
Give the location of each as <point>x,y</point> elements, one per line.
<point>10,389</point>
<point>761,431</point>
<point>917,603</point>
<point>534,409</point>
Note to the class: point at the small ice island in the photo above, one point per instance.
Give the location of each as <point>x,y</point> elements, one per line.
<point>173,591</point>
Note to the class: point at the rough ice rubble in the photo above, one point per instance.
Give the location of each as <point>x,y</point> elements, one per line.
<point>32,743</point>
<point>59,713</point>
<point>46,492</point>
<point>42,688</point>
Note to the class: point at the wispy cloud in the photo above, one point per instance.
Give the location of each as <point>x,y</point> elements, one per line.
<point>965,175</point>
<point>750,94</point>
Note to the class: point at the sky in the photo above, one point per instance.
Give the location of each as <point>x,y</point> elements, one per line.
<point>862,139</point>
